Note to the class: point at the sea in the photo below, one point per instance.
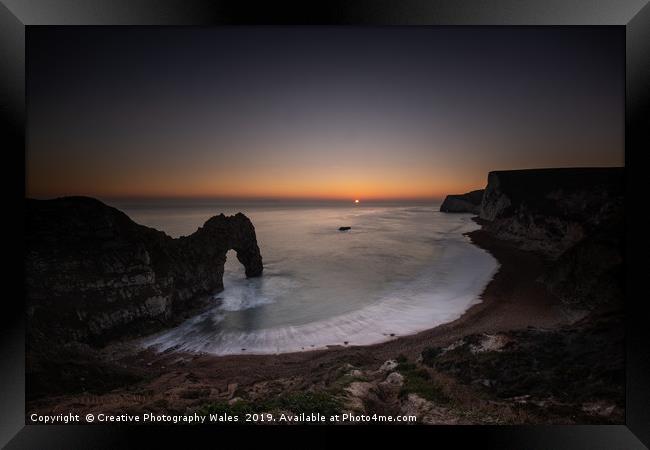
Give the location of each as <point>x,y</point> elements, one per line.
<point>402,268</point>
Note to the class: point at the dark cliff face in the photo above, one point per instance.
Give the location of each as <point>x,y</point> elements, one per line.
<point>93,273</point>
<point>574,217</point>
<point>463,203</point>
<point>550,210</point>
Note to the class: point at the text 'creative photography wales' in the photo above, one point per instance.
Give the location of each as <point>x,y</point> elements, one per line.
<point>331,225</point>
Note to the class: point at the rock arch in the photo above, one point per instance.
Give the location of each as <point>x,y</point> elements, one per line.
<point>93,272</point>
<point>236,233</point>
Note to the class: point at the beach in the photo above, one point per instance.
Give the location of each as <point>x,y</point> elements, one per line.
<point>175,381</point>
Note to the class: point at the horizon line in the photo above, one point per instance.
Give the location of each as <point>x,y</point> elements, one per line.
<point>238,199</point>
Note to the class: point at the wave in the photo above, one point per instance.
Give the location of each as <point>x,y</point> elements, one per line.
<point>438,293</point>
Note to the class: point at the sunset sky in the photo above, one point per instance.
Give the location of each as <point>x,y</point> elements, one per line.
<point>370,113</point>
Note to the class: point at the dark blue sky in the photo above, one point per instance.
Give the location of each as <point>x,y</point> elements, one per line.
<point>316,112</point>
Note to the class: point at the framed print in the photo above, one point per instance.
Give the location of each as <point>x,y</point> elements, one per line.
<point>403,220</point>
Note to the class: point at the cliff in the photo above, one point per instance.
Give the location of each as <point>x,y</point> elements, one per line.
<point>463,203</point>
<point>93,273</point>
<point>574,217</point>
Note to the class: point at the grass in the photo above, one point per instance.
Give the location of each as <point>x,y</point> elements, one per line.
<point>343,381</point>
<point>463,400</point>
<point>429,355</point>
<point>569,365</point>
<point>418,380</point>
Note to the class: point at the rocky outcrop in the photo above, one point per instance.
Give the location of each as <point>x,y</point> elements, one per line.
<point>463,203</point>
<point>542,370</point>
<point>550,210</point>
<point>93,273</point>
<point>574,217</point>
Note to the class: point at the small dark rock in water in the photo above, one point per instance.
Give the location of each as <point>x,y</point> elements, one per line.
<point>345,342</point>
<point>392,334</point>
<point>344,228</point>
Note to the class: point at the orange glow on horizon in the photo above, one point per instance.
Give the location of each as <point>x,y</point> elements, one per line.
<point>370,193</point>
<point>288,124</point>
<point>333,193</point>
<point>309,184</point>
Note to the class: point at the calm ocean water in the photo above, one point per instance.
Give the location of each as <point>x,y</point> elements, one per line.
<point>400,269</point>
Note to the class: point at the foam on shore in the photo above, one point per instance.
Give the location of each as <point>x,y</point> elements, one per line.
<point>437,294</point>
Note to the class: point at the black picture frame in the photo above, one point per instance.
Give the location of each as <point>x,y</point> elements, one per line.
<point>16,16</point>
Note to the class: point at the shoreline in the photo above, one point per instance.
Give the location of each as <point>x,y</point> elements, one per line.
<point>511,300</point>
<point>398,313</point>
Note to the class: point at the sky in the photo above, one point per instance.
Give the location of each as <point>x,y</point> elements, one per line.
<point>315,113</point>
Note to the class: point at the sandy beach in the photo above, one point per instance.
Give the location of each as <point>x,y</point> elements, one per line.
<point>175,381</point>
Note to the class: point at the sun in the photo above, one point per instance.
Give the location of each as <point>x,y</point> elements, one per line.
<point>356,201</point>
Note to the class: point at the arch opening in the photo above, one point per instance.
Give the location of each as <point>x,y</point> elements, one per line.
<point>233,267</point>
